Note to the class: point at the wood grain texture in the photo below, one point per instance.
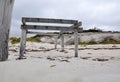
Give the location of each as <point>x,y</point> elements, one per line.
<point>40,27</point>
<point>6,7</point>
<point>56,40</point>
<point>22,43</point>
<point>46,20</point>
<point>41,33</point>
<point>62,41</point>
<point>76,42</point>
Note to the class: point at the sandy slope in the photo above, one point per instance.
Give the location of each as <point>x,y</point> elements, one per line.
<point>85,37</point>
<point>96,63</point>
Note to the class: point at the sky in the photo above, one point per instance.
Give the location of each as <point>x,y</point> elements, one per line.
<point>103,14</point>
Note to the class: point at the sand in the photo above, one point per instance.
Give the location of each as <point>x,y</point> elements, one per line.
<point>96,63</point>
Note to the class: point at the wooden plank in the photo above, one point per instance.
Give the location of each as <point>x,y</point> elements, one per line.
<point>6,7</point>
<point>22,43</point>
<point>46,20</point>
<point>41,33</point>
<point>76,42</point>
<point>38,27</point>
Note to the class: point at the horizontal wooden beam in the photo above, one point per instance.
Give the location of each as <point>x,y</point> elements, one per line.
<point>38,27</point>
<point>41,33</point>
<point>46,20</point>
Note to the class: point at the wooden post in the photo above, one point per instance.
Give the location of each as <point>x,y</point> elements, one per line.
<point>62,41</point>
<point>56,38</point>
<point>76,42</point>
<point>6,7</point>
<point>22,44</point>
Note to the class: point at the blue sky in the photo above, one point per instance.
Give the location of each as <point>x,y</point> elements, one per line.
<point>103,14</point>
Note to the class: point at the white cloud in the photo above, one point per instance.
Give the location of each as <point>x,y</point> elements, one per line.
<point>104,14</point>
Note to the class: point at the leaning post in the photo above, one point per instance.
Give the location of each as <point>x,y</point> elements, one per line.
<point>23,44</point>
<point>6,7</point>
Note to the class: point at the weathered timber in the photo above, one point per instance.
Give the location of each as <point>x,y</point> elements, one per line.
<point>60,28</point>
<point>73,28</point>
<point>41,33</point>
<point>76,42</point>
<point>62,41</point>
<point>46,20</point>
<point>60,34</point>
<point>56,38</point>
<point>6,7</point>
<point>40,27</point>
<point>23,43</point>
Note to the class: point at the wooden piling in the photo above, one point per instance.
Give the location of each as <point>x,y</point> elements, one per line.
<point>6,7</point>
<point>62,41</point>
<point>56,38</point>
<point>76,42</point>
<point>23,43</point>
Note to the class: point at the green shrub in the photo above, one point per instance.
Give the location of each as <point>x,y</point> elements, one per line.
<point>92,42</point>
<point>109,40</point>
<point>83,44</point>
<point>14,40</point>
<point>34,39</point>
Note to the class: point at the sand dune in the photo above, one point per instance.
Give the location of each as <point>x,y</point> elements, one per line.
<point>85,37</point>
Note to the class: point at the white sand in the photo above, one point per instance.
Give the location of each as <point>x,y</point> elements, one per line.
<point>54,66</point>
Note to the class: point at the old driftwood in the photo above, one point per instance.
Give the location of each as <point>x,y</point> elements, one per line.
<point>6,7</point>
<point>26,27</point>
